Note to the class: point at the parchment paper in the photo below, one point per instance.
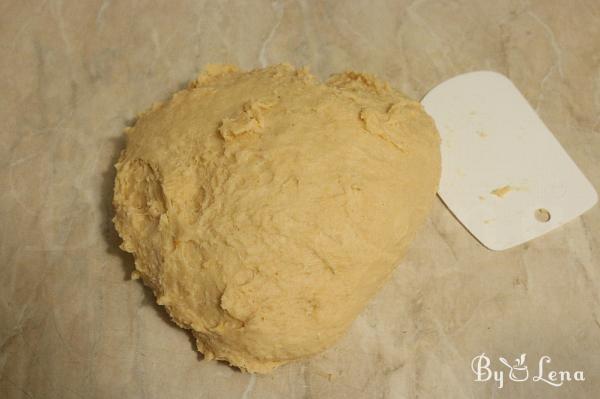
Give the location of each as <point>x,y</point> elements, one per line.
<point>73,74</point>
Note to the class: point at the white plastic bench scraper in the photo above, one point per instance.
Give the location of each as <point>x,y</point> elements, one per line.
<point>504,175</point>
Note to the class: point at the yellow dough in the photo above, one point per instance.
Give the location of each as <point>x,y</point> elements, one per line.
<point>265,208</point>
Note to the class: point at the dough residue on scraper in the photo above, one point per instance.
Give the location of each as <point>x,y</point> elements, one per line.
<point>265,208</point>
<point>501,192</point>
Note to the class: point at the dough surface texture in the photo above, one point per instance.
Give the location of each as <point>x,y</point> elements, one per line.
<point>264,208</point>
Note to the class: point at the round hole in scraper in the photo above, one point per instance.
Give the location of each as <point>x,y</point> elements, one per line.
<point>542,215</point>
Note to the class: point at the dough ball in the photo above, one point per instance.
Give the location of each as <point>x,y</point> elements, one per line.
<point>265,208</point>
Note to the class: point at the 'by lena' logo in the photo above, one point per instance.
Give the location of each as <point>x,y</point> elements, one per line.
<point>519,372</point>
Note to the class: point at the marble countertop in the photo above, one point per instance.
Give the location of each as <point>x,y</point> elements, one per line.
<point>73,74</point>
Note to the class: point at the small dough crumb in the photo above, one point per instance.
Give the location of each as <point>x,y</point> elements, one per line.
<point>501,192</point>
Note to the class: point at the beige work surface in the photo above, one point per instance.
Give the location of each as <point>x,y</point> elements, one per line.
<point>74,73</point>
